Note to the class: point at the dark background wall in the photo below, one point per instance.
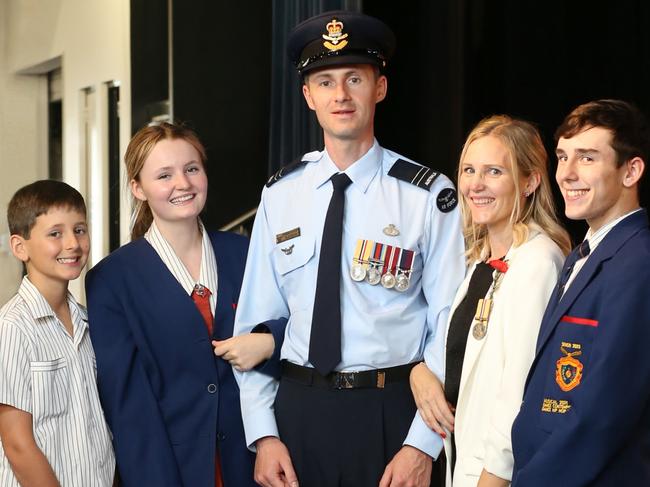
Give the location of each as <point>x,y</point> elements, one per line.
<point>456,62</point>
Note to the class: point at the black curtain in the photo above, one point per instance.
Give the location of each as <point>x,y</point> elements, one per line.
<point>293,128</point>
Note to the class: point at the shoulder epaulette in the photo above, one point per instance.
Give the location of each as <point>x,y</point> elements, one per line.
<point>283,171</point>
<point>421,176</point>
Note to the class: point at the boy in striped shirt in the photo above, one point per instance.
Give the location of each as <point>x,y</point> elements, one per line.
<point>52,429</point>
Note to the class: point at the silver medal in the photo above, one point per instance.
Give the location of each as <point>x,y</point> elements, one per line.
<point>388,280</point>
<point>357,272</point>
<point>373,276</point>
<point>402,282</point>
<point>479,330</point>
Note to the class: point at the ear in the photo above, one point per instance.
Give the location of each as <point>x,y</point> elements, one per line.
<point>136,190</point>
<point>633,171</point>
<point>532,182</point>
<point>18,248</point>
<point>307,95</point>
<point>382,88</point>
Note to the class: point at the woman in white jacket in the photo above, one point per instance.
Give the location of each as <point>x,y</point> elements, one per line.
<point>515,250</point>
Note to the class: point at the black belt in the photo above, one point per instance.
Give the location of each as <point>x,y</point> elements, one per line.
<point>367,379</point>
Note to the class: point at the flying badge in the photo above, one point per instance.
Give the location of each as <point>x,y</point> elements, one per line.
<point>568,370</point>
<point>335,39</point>
<point>288,250</point>
<point>288,235</point>
<point>391,230</point>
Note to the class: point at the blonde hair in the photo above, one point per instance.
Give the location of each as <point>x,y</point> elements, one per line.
<point>527,156</point>
<point>137,153</point>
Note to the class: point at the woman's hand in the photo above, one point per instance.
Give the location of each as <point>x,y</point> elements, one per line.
<point>430,399</point>
<point>244,352</point>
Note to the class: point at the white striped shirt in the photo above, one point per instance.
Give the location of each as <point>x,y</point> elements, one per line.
<point>51,375</point>
<point>207,274</point>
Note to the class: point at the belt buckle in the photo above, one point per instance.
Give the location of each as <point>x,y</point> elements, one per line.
<point>344,380</point>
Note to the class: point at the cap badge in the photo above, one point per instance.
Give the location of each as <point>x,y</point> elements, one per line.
<point>335,38</point>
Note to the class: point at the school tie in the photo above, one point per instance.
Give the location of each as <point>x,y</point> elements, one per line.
<point>576,254</point>
<point>201,297</point>
<point>325,338</point>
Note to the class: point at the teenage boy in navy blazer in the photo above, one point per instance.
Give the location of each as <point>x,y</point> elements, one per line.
<point>585,418</point>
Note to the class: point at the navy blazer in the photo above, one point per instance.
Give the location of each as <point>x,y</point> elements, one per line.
<point>167,398</point>
<point>585,418</point>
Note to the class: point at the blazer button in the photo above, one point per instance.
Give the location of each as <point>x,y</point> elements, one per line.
<point>221,437</point>
<point>212,388</point>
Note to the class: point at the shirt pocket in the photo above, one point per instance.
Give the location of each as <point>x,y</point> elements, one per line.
<point>293,254</point>
<point>50,390</point>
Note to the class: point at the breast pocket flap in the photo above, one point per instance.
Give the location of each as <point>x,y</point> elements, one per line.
<point>292,254</point>
<point>48,365</point>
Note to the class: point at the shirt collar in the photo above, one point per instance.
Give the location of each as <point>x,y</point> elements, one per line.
<point>361,172</point>
<point>40,308</point>
<point>38,305</point>
<point>208,271</point>
<point>596,237</point>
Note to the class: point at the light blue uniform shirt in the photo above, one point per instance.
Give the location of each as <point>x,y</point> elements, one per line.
<point>379,327</point>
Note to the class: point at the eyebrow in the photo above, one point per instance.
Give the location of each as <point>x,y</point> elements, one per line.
<point>579,152</point>
<point>185,164</point>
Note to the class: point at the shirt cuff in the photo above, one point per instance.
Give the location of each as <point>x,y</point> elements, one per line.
<point>499,462</point>
<point>272,366</point>
<point>423,438</point>
<point>258,425</point>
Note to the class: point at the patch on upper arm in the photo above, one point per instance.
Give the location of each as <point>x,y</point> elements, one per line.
<point>447,200</point>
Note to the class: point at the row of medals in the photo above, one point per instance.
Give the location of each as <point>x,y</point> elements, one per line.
<point>371,272</point>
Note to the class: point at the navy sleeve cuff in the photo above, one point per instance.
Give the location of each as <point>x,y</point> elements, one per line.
<point>276,328</point>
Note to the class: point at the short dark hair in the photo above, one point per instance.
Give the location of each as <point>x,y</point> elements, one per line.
<point>36,199</point>
<point>629,127</point>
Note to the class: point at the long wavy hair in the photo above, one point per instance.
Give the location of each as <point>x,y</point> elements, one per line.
<point>526,155</point>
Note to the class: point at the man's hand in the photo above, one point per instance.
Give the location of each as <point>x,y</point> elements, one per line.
<point>244,352</point>
<point>409,468</point>
<point>273,466</point>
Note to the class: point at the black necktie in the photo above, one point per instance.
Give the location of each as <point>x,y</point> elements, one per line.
<point>325,339</point>
<point>576,254</point>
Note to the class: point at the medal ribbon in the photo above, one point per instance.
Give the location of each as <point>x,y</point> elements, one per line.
<point>406,262</point>
<point>366,251</point>
<point>388,263</point>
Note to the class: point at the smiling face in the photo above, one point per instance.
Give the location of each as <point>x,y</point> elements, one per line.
<point>593,187</point>
<point>344,100</point>
<point>57,248</point>
<point>487,184</point>
<point>172,181</point>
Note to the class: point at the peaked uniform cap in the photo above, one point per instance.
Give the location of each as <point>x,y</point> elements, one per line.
<point>339,38</point>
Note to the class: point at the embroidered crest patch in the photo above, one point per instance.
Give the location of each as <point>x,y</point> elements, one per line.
<point>568,373</point>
